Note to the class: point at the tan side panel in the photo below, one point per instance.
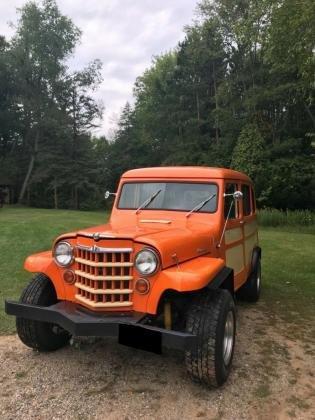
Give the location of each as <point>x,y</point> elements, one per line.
<point>250,228</point>
<point>249,245</point>
<point>234,258</point>
<point>233,235</point>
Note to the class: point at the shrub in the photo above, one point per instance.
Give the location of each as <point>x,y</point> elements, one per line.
<point>274,217</point>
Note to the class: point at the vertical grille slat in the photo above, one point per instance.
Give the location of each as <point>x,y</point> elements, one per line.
<point>104,277</point>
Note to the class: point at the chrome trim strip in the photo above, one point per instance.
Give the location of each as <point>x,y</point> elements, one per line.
<point>99,249</point>
<point>99,235</point>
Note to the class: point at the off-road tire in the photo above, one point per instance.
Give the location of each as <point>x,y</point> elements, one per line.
<point>206,318</point>
<point>41,336</point>
<point>250,291</point>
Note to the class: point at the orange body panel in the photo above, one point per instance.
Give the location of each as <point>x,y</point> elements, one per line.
<point>191,275</point>
<point>187,247</point>
<point>43,262</point>
<point>186,172</point>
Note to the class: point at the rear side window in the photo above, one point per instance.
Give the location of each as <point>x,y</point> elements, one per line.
<point>230,189</point>
<point>246,200</point>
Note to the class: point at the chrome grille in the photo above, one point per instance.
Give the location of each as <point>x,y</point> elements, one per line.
<point>104,277</point>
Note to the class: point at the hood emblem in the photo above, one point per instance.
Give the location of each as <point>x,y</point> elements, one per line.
<point>96,236</point>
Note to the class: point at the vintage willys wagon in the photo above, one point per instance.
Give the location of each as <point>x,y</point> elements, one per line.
<point>180,244</point>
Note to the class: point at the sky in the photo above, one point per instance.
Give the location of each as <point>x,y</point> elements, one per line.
<point>124,34</point>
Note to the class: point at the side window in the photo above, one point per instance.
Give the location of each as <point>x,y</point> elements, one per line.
<point>253,200</point>
<point>230,189</point>
<point>246,200</point>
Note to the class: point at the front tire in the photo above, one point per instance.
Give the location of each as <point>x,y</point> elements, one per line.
<point>41,336</point>
<point>212,318</point>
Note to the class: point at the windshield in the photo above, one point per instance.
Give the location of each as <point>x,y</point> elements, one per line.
<point>182,196</point>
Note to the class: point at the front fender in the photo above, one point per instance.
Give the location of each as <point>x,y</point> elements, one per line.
<point>188,276</point>
<point>43,262</point>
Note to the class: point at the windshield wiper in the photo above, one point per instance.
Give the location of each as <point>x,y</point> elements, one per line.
<point>200,205</point>
<point>147,201</point>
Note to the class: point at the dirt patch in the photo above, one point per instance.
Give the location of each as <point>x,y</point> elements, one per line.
<point>273,378</point>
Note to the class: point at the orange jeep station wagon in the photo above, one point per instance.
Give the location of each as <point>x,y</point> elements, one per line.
<point>180,244</point>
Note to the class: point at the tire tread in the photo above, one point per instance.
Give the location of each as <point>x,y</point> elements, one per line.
<point>203,320</point>
<point>37,334</point>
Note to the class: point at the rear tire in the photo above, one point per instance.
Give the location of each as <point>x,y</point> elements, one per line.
<point>212,318</point>
<point>250,291</point>
<point>41,336</point>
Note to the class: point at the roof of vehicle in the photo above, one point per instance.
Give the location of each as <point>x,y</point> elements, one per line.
<point>186,172</point>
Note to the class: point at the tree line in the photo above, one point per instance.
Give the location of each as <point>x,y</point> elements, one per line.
<point>47,112</point>
<point>237,92</point>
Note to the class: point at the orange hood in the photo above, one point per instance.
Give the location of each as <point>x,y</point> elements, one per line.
<point>173,243</point>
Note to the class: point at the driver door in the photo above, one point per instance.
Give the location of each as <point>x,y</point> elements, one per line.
<point>234,235</point>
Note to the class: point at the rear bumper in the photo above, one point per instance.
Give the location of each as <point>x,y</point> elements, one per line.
<point>129,328</point>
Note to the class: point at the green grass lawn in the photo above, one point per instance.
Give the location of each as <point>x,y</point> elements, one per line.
<point>25,231</point>
<point>288,266</point>
<point>288,258</point>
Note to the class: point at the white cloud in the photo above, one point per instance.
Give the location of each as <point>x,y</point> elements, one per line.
<point>123,34</point>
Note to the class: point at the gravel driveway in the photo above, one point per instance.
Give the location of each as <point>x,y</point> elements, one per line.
<point>273,378</point>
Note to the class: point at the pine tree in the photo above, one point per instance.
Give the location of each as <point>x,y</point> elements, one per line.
<point>249,155</point>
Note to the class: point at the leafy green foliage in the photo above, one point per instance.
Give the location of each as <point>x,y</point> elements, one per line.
<point>290,183</point>
<point>249,154</point>
<point>298,218</point>
<point>237,91</point>
<point>45,144</point>
<point>229,95</point>
<point>292,26</point>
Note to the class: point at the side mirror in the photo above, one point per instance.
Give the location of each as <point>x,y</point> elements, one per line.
<point>108,194</point>
<point>237,195</point>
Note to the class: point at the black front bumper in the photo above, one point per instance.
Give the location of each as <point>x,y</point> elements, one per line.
<point>128,327</point>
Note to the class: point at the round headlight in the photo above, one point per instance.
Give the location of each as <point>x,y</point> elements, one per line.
<point>63,254</point>
<point>146,262</point>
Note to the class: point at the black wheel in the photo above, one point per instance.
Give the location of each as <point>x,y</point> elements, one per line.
<point>250,291</point>
<point>212,318</point>
<point>38,335</point>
